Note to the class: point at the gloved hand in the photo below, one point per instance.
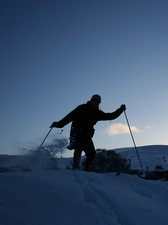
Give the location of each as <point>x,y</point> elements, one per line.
<point>55,124</point>
<point>123,107</point>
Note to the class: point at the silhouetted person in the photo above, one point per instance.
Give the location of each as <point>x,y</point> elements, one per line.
<point>83,119</point>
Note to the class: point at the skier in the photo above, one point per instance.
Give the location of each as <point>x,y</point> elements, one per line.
<point>83,119</point>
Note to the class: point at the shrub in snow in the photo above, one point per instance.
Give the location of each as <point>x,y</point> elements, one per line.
<point>109,161</point>
<point>157,175</point>
<point>158,167</point>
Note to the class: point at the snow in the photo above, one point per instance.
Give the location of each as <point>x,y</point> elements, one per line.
<point>66,197</point>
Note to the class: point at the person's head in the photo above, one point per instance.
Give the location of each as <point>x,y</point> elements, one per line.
<point>95,100</point>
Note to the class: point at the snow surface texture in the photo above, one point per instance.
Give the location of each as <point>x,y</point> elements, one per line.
<point>66,197</point>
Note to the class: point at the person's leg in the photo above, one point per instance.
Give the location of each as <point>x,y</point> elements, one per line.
<point>90,153</point>
<point>76,158</point>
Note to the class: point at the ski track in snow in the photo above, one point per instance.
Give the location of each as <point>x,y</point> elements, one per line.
<point>112,201</point>
<point>101,200</point>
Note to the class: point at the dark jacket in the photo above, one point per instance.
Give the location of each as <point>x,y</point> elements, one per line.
<point>85,116</point>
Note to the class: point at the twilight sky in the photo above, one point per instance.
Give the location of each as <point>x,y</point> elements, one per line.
<point>55,54</point>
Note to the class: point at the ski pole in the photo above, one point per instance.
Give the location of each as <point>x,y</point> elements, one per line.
<point>44,139</point>
<point>133,141</point>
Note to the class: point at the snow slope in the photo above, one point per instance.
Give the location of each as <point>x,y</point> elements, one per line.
<point>66,197</point>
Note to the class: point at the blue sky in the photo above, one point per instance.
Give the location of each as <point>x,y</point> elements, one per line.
<point>56,54</point>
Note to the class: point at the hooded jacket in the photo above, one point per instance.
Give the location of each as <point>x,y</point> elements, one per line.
<point>84,117</point>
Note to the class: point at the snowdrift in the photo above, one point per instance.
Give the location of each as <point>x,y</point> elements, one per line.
<point>66,197</point>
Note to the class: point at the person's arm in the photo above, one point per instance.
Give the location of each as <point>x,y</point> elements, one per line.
<point>113,115</point>
<point>67,119</point>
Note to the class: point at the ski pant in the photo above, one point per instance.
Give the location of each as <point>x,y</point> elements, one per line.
<point>88,147</point>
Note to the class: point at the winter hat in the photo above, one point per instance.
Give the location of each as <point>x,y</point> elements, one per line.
<point>96,98</point>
